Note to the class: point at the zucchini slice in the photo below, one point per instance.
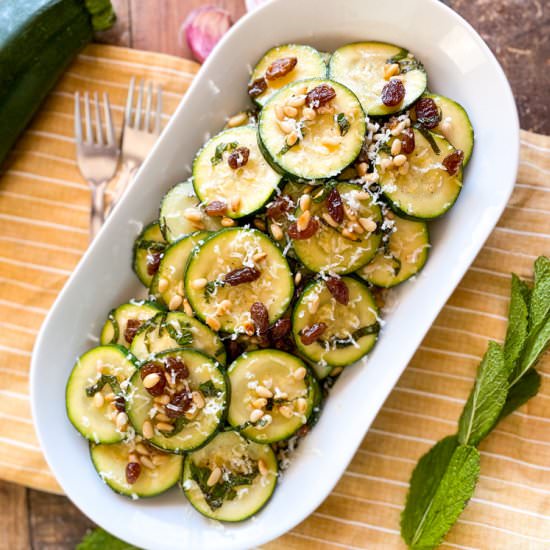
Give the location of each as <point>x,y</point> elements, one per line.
<point>148,249</point>
<point>360,67</point>
<point>309,64</point>
<point>200,411</point>
<point>111,461</point>
<point>102,370</point>
<point>173,330</point>
<point>427,190</point>
<point>179,201</point>
<point>123,322</point>
<point>403,253</point>
<point>224,306</point>
<point>243,189</point>
<point>276,385</point>
<point>248,478</point>
<point>455,125</point>
<point>169,276</point>
<point>331,249</point>
<point>350,330</point>
<point>327,141</point>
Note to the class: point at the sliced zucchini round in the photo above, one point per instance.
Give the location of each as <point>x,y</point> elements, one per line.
<point>197,424</point>
<point>104,370</point>
<point>110,462</point>
<point>326,144</point>
<point>225,306</point>
<point>309,64</point>
<point>403,253</point>
<point>148,249</point>
<point>244,189</point>
<point>123,321</point>
<point>172,217</point>
<point>171,269</point>
<point>172,330</point>
<point>455,125</point>
<point>360,67</point>
<point>350,330</point>
<point>257,374</point>
<point>332,248</point>
<point>427,190</point>
<point>248,477</point>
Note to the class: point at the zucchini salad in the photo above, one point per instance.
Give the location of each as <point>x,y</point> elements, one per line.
<point>265,273</point>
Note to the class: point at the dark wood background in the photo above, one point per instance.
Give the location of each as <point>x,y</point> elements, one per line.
<point>518,32</point>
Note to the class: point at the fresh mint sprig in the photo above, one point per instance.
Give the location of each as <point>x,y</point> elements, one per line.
<point>444,479</point>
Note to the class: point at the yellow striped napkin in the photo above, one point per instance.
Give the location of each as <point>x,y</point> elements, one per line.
<point>44,207</point>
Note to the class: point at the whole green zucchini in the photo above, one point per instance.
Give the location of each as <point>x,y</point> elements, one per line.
<point>38,40</point>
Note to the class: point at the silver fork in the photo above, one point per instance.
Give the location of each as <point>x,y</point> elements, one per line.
<point>97,160</point>
<point>142,127</point>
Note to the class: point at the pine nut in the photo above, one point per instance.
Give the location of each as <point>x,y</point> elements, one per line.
<point>286,126</point>
<point>235,203</point>
<point>297,101</point>
<point>151,380</point>
<point>331,141</point>
<point>175,302</point>
<point>301,405</point>
<point>256,414</point>
<point>192,214</point>
<point>399,160</point>
<point>164,427</point>
<point>305,202</point>
<point>313,305</point>
<point>187,308</point>
<point>303,220</point>
<point>147,430</point>
<point>262,467</point>
<point>214,477</point>
<point>299,373</point>
<point>237,120</point>
<point>159,460</point>
<point>357,228</point>
<point>297,278</point>
<point>224,307</point>
<point>133,458</point>
<point>228,222</point>
<point>346,233</point>
<point>390,69</point>
<point>259,224</point>
<point>142,449</point>
<point>268,383</point>
<point>308,113</point>
<point>213,323</point>
<point>362,195</point>
<point>163,284</point>
<point>276,231</point>
<point>198,284</point>
<point>258,257</point>
<point>98,400</point>
<point>399,128</point>
<point>302,90</point>
<point>147,462</point>
<point>286,411</point>
<point>267,419</point>
<point>403,170</point>
<point>279,113</point>
<point>161,417</point>
<point>262,391</point>
<point>291,112</point>
<point>350,214</point>
<point>385,163</point>
<point>291,139</point>
<point>396,147</point>
<point>373,177</point>
<point>329,219</point>
<point>367,224</point>
<point>110,397</point>
<point>198,399</point>
<point>179,288</point>
<point>362,169</point>
<point>191,413</point>
<point>121,420</point>
<point>259,403</point>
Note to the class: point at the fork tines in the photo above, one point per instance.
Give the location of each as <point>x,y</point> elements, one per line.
<point>99,136</point>
<point>133,116</point>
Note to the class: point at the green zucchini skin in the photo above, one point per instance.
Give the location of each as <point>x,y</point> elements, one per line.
<point>38,40</point>
<point>149,240</point>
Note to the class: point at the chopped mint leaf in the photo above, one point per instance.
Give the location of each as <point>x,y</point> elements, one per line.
<point>99,539</point>
<point>527,387</point>
<point>221,148</point>
<point>486,398</point>
<point>208,389</point>
<point>343,123</point>
<point>441,485</point>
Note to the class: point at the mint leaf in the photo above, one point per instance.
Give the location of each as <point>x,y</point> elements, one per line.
<point>441,485</point>
<point>527,387</point>
<point>486,399</point>
<point>98,539</point>
<point>540,300</point>
<point>517,322</point>
<point>536,345</point>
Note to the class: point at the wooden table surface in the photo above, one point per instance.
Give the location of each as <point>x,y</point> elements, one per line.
<point>518,32</point>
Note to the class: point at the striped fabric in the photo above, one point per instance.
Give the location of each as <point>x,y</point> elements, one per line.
<point>44,208</point>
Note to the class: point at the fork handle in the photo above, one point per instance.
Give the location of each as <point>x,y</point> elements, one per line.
<point>97,213</point>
